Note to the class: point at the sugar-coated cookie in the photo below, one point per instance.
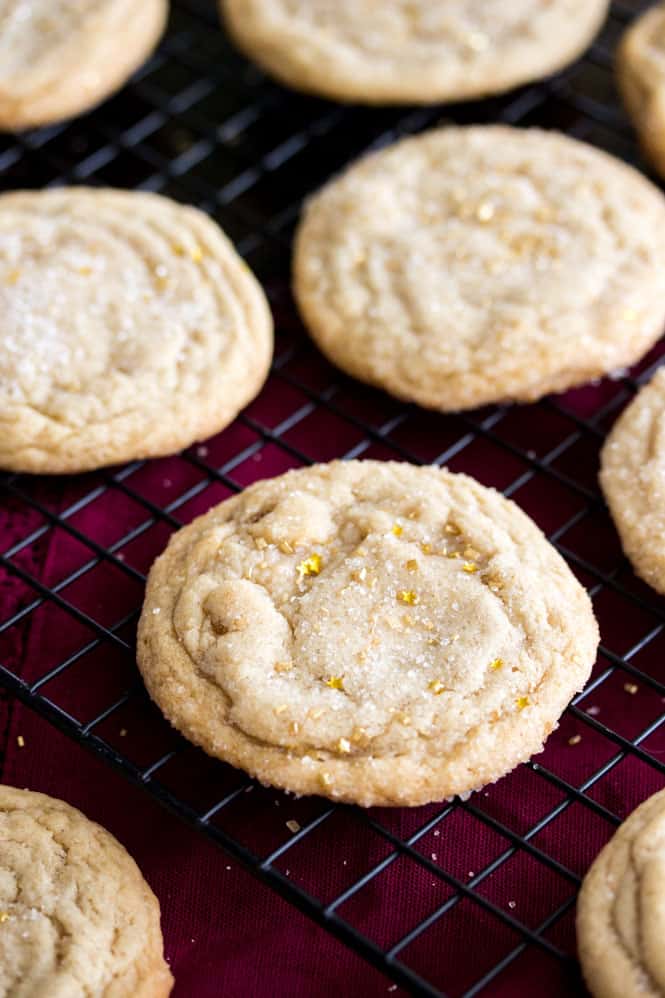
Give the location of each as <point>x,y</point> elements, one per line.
<point>374,632</point>
<point>474,265</point>
<point>411,51</point>
<point>621,909</point>
<point>640,71</point>
<point>633,480</point>
<point>61,57</point>
<point>129,328</point>
<point>77,919</point>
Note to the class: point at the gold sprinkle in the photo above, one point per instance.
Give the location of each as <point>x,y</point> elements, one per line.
<point>335,682</point>
<point>285,547</point>
<point>398,530</point>
<point>485,211</point>
<point>437,687</point>
<point>412,565</point>
<point>522,702</point>
<point>426,548</point>
<point>344,745</point>
<point>310,566</point>
<point>20,741</point>
<point>574,739</point>
<point>282,707</point>
<point>294,728</point>
<point>631,688</point>
<point>123,732</point>
<point>293,826</point>
<point>283,666</point>
<point>407,596</point>
<point>470,567</point>
<point>4,916</point>
<point>496,664</point>
<point>326,779</point>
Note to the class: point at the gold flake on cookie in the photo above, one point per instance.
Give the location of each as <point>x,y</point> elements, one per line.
<point>408,596</point>
<point>522,702</point>
<point>335,682</point>
<point>470,567</point>
<point>496,664</point>
<point>437,687</point>
<point>310,566</point>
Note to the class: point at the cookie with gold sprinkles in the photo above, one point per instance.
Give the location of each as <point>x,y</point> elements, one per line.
<point>378,633</point>
<point>621,909</point>
<point>411,51</point>
<point>60,57</point>
<point>632,477</point>
<point>129,328</point>
<point>76,916</point>
<point>474,265</point>
<point>640,73</point>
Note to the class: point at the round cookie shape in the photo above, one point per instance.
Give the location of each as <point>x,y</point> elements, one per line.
<point>129,328</point>
<point>640,73</point>
<point>59,58</point>
<point>373,632</point>
<point>621,909</point>
<point>632,477</point>
<point>474,265</point>
<point>411,51</point>
<point>76,916</point>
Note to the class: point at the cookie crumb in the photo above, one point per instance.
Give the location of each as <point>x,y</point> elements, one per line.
<point>123,732</point>
<point>574,739</point>
<point>593,711</point>
<point>631,688</point>
<point>512,904</point>
<point>293,825</point>
<point>20,741</point>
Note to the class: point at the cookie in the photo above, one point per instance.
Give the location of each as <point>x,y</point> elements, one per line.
<point>621,909</point>
<point>373,632</point>
<point>632,477</point>
<point>129,328</point>
<point>59,58</point>
<point>486,264</point>
<point>76,916</point>
<point>640,73</point>
<point>411,51</point>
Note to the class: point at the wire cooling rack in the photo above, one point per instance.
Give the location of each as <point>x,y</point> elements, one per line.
<point>202,125</point>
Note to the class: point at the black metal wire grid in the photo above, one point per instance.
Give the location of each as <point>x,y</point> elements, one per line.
<point>202,125</point>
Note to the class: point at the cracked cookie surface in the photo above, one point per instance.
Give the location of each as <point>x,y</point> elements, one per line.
<point>474,265</point>
<point>411,51</point>
<point>621,909</point>
<point>60,57</point>
<point>373,632</point>
<point>77,919</point>
<point>129,328</point>
<point>632,477</point>
<point>640,72</point>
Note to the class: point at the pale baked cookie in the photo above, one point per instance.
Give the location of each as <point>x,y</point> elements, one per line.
<point>411,51</point>
<point>129,327</point>
<point>373,632</point>
<point>61,57</point>
<point>77,919</point>
<point>621,909</point>
<point>484,264</point>
<point>632,476</point>
<point>641,79</point>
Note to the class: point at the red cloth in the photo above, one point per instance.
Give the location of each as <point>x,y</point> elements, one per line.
<point>225,933</point>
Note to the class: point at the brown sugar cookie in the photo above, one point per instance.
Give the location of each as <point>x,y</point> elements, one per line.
<point>59,58</point>
<point>129,328</point>
<point>621,909</point>
<point>474,265</point>
<point>411,51</point>
<point>76,916</point>
<point>373,632</point>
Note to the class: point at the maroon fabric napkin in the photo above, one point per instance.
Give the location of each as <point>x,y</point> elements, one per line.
<point>227,934</point>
